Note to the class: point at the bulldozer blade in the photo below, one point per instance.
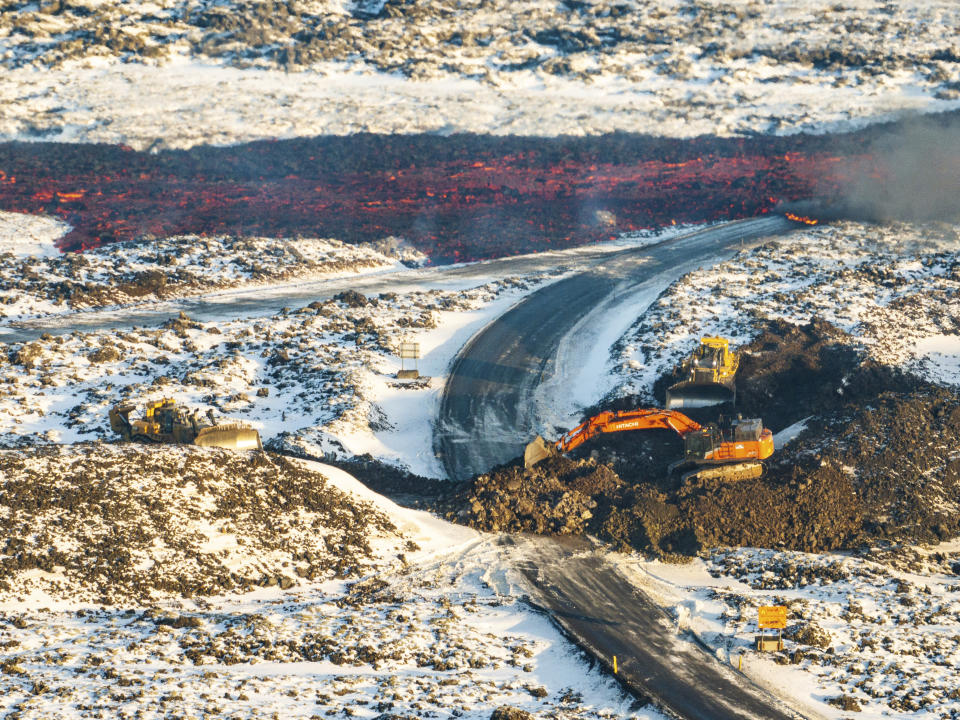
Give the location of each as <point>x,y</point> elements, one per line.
<point>537,449</point>
<point>694,395</point>
<point>231,437</point>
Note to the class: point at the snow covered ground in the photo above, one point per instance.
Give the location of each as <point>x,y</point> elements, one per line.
<point>36,280</point>
<point>30,236</point>
<point>433,627</point>
<point>892,287</point>
<point>178,74</point>
<point>876,635</point>
<point>323,375</point>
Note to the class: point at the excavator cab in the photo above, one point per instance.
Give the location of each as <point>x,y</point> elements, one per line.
<point>740,439</point>
<point>699,445</point>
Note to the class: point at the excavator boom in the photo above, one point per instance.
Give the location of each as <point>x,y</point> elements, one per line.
<point>738,450</point>
<point>609,421</point>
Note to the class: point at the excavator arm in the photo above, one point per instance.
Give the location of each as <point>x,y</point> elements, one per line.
<point>609,421</point>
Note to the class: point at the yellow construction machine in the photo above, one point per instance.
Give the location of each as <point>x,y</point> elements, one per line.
<point>708,376</point>
<point>164,421</point>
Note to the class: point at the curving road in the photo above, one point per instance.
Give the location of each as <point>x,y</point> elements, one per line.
<point>493,399</point>
<point>488,412</point>
<point>260,301</point>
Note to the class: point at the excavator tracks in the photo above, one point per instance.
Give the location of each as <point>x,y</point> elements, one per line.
<point>731,472</point>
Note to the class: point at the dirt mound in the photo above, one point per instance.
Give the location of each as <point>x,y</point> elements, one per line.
<point>790,372</point>
<point>873,462</point>
<point>117,522</point>
<point>554,496</point>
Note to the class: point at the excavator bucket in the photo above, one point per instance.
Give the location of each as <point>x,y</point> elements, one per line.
<point>537,449</point>
<point>693,394</point>
<point>229,436</point>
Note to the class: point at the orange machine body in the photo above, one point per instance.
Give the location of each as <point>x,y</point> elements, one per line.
<point>744,440</point>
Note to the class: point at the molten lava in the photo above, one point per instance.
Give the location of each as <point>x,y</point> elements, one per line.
<point>457,198</point>
<point>803,219</point>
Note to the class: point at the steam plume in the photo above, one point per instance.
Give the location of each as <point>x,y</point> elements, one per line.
<point>916,174</point>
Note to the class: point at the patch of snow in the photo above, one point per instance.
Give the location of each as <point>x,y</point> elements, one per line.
<point>939,356</point>
<point>790,433</point>
<point>30,236</point>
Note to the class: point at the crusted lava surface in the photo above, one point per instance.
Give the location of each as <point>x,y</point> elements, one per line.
<point>874,462</point>
<point>462,197</point>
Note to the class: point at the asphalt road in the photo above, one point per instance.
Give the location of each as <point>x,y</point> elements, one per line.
<point>607,616</point>
<point>256,301</point>
<point>487,413</point>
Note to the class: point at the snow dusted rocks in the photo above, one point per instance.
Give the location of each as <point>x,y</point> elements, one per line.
<point>433,627</point>
<point>181,74</point>
<point>165,268</point>
<point>878,635</point>
<point>121,523</point>
<point>888,286</point>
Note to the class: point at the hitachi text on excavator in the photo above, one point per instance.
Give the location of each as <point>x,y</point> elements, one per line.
<point>735,452</point>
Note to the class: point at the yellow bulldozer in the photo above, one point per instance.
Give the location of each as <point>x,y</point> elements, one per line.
<point>708,374</point>
<point>164,421</point>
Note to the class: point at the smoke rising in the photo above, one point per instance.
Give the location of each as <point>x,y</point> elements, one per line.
<point>916,174</point>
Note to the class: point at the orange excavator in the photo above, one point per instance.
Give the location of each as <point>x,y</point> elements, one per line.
<point>734,452</point>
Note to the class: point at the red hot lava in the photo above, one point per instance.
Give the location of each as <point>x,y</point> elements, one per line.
<point>456,199</point>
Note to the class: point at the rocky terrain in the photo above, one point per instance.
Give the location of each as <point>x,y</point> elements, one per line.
<point>154,269</point>
<point>877,632</point>
<point>425,38</point>
<point>875,461</point>
<point>134,523</point>
<point>227,72</point>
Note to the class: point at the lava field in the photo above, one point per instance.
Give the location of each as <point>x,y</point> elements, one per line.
<point>456,198</point>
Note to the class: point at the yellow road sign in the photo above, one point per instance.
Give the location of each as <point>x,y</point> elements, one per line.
<point>772,617</point>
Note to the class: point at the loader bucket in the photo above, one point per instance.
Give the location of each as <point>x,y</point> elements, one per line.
<point>231,437</point>
<point>696,395</point>
<point>537,449</point>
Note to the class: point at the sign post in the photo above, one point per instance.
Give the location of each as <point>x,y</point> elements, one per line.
<point>771,617</point>
<point>408,351</point>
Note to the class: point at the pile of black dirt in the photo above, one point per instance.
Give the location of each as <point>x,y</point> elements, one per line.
<point>790,372</point>
<point>874,462</point>
<point>556,496</point>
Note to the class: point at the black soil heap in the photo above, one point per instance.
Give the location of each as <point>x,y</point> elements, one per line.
<point>874,462</point>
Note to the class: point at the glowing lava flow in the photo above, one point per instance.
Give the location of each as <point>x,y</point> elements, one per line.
<point>462,198</point>
<point>801,219</point>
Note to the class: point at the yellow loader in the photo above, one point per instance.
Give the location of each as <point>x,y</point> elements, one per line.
<point>165,422</point>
